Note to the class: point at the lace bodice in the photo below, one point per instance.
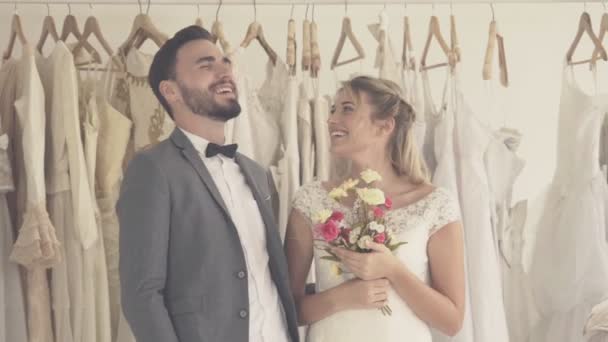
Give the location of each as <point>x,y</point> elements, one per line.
<point>413,224</point>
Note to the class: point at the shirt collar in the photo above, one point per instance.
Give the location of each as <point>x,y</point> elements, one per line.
<point>199,143</point>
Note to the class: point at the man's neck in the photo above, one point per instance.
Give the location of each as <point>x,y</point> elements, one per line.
<point>202,126</point>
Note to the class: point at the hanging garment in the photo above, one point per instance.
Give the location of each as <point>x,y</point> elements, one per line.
<point>36,247</point>
<point>596,328</point>
<point>572,230</point>
<point>240,130</point>
<point>96,284</point>
<point>413,94</point>
<point>113,138</point>
<point>321,105</point>
<point>13,324</point>
<point>305,132</point>
<point>385,57</point>
<point>604,143</point>
<point>439,148</point>
<point>519,302</point>
<point>472,139</point>
<point>415,223</point>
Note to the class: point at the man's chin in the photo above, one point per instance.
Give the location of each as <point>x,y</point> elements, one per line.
<point>227,112</point>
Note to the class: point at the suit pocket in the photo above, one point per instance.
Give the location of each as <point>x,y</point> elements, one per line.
<point>189,320</point>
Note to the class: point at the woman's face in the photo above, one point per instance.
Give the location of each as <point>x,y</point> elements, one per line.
<point>352,129</point>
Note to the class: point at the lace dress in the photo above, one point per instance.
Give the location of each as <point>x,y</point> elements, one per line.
<point>414,224</point>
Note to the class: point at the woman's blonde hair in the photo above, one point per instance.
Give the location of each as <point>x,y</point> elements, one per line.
<point>385,97</point>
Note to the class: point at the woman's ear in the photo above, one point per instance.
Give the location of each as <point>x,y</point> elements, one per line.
<point>387,125</point>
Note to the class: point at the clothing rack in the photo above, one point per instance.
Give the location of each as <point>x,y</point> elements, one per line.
<point>292,2</point>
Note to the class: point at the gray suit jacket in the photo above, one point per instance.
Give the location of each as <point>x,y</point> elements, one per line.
<point>182,267</point>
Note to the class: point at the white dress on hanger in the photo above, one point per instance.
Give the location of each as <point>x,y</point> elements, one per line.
<point>13,324</point>
<point>438,151</point>
<point>305,132</point>
<point>386,62</point>
<point>413,94</point>
<point>36,247</point>
<point>113,140</point>
<point>415,224</point>
<point>569,268</point>
<point>472,139</point>
<point>96,285</point>
<point>321,105</point>
<point>596,328</point>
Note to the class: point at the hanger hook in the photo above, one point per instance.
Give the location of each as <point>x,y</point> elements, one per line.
<point>217,13</point>
<point>15,7</point>
<point>48,9</point>
<point>384,8</point>
<point>604,4</point>
<point>313,12</point>
<point>492,8</point>
<point>584,6</point>
<point>451,8</point>
<point>306,13</point>
<point>255,11</point>
<point>140,9</point>
<point>433,8</point>
<point>148,8</point>
<point>292,6</point>
<point>405,5</point>
<point>198,10</point>
<point>345,7</point>
<point>69,9</point>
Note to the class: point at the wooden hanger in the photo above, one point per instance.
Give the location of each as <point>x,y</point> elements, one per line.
<point>16,33</point>
<point>291,46</point>
<point>217,30</point>
<point>493,39</point>
<point>142,29</point>
<point>255,31</point>
<point>70,26</point>
<point>455,47</point>
<point>91,26</point>
<point>600,36</point>
<point>584,26</point>
<point>306,46</point>
<point>347,32</point>
<point>48,28</point>
<point>435,32</point>
<point>315,66</point>
<point>199,20</point>
<point>407,59</point>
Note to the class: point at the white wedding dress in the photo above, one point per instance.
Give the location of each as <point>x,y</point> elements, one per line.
<point>413,224</point>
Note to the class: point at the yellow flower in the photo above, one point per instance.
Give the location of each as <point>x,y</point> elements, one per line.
<point>349,184</point>
<point>336,270</point>
<point>371,196</point>
<point>322,216</point>
<point>370,176</point>
<point>338,193</point>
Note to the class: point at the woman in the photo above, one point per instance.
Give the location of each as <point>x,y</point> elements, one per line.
<point>423,280</point>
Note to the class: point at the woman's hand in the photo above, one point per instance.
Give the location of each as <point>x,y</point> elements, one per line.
<point>380,263</point>
<point>363,294</point>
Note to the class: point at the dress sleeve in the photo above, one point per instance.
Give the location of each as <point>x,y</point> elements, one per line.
<point>447,208</point>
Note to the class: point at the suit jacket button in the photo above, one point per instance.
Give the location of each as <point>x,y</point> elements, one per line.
<point>243,313</point>
<point>241,274</point>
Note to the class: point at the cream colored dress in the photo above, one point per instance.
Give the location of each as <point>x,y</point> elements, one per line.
<point>13,324</point>
<point>36,247</point>
<point>305,132</point>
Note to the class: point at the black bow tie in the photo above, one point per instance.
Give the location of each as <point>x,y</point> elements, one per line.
<point>227,150</point>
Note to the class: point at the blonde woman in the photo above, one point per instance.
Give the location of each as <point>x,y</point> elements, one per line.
<point>423,281</point>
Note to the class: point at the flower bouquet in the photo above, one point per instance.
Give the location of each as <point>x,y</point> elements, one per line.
<point>366,222</point>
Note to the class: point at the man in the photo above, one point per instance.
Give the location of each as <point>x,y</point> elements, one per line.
<point>201,259</point>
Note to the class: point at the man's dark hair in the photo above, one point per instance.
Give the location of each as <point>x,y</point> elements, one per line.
<point>163,65</point>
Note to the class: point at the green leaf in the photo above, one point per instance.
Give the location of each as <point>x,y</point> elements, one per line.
<point>395,246</point>
<point>330,258</point>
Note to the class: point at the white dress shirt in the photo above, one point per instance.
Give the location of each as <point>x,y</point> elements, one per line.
<point>266,316</point>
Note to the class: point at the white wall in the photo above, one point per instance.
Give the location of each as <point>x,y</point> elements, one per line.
<point>536,36</point>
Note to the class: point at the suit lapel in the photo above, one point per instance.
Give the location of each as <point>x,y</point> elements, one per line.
<point>192,156</point>
<point>263,202</point>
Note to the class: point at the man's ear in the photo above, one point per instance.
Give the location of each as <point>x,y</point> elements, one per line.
<point>169,91</point>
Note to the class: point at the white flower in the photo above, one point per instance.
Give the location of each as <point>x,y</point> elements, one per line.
<point>354,235</point>
<point>377,227</point>
<point>322,216</point>
<point>370,176</point>
<point>364,241</point>
<point>349,184</point>
<point>371,196</point>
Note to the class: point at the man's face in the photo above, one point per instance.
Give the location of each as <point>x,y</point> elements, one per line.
<point>205,82</point>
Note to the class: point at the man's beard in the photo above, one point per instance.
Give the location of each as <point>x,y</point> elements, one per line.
<point>202,103</point>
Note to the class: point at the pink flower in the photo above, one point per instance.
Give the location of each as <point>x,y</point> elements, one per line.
<point>388,203</point>
<point>337,216</point>
<point>330,231</point>
<point>378,212</point>
<point>380,238</point>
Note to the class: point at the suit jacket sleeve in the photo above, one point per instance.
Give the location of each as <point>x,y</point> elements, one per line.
<point>143,211</point>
